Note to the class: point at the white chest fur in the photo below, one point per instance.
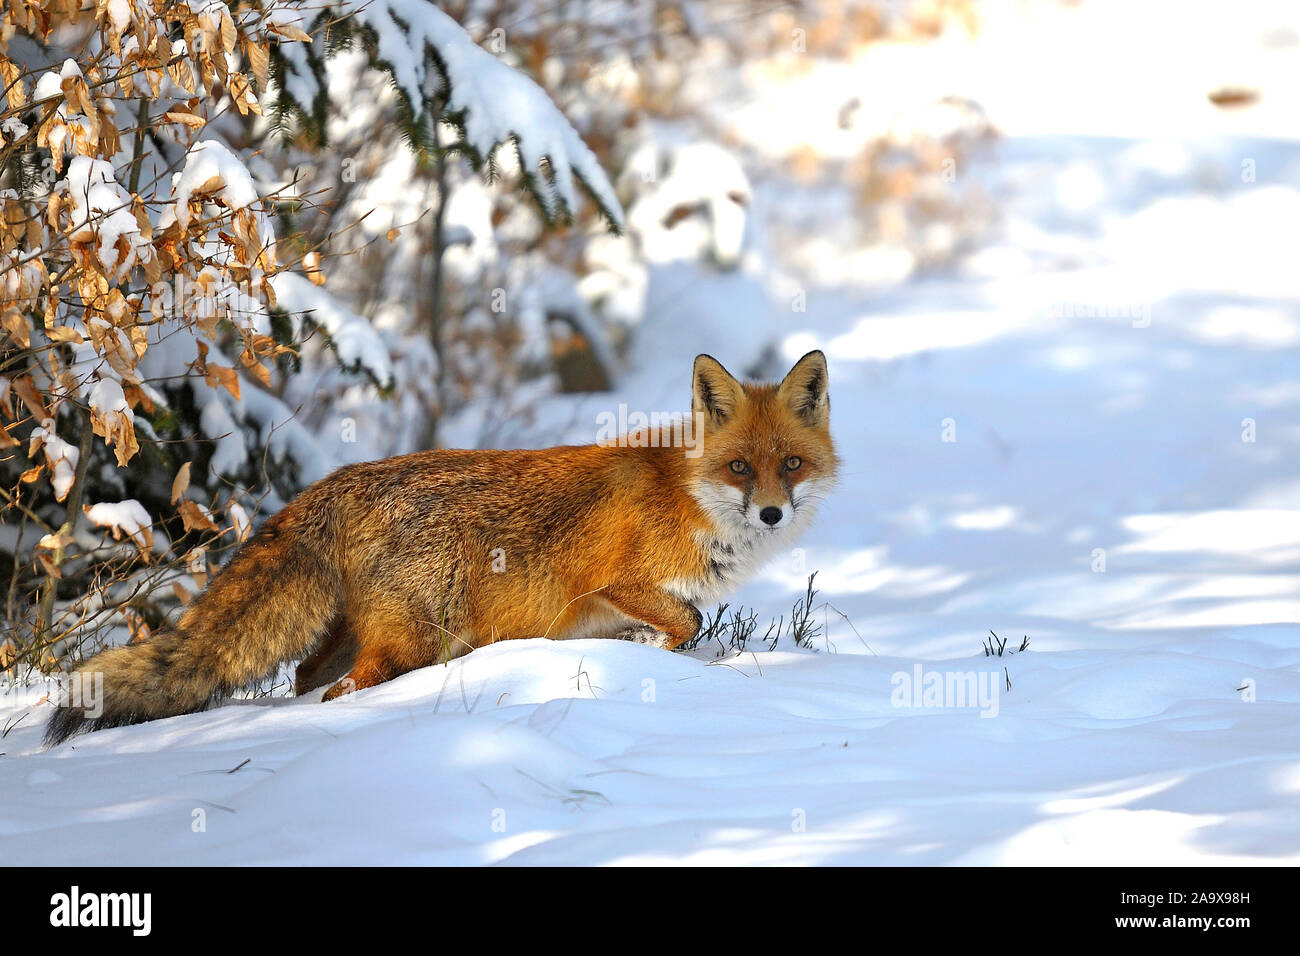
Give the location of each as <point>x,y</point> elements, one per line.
<point>736,546</point>
<point>732,557</point>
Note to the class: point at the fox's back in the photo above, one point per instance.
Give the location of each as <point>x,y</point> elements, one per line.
<point>568,506</point>
<point>549,487</point>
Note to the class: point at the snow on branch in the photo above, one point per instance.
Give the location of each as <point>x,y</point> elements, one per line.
<point>490,102</point>
<point>354,340</point>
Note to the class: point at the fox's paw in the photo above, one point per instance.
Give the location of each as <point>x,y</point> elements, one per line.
<point>346,686</point>
<point>645,634</point>
<point>364,674</point>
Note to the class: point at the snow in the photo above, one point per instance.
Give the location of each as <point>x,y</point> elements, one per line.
<point>281,432</point>
<point>13,127</point>
<point>123,517</point>
<point>107,398</point>
<point>1094,356</point>
<point>207,161</point>
<point>539,752</point>
<point>61,458</point>
<point>101,211</point>
<point>272,424</point>
<point>51,82</point>
<point>354,339</point>
<point>108,402</point>
<point>119,12</point>
<point>500,105</point>
<point>230,453</point>
<point>701,177</point>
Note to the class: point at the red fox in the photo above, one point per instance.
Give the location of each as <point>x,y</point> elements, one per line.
<point>391,565</point>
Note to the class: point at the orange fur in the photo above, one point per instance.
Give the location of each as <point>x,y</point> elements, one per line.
<point>387,566</point>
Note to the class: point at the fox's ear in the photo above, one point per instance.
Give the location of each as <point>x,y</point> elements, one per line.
<point>714,391</point>
<point>804,389</point>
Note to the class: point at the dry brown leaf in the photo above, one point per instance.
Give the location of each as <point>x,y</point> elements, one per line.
<point>223,377</point>
<point>1233,96</point>
<point>188,119</point>
<point>55,542</point>
<point>136,396</point>
<point>258,61</point>
<point>27,391</point>
<point>16,90</point>
<point>64,334</point>
<point>182,74</point>
<point>257,369</point>
<point>311,266</point>
<point>125,446</point>
<point>290,31</point>
<point>193,517</point>
<point>15,323</point>
<point>180,482</point>
<point>229,35</point>
<point>214,184</point>
<point>48,566</point>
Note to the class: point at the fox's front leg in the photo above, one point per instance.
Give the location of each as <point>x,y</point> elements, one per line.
<point>665,612</point>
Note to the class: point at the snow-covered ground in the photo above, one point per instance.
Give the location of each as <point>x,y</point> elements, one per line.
<point>1116,363</point>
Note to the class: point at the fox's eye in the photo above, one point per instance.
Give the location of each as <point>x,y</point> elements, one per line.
<point>739,467</point>
<point>793,463</point>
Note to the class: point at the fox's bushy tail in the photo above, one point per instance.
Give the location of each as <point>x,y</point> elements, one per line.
<point>273,602</point>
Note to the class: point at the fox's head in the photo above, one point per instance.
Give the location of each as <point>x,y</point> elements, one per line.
<point>767,457</point>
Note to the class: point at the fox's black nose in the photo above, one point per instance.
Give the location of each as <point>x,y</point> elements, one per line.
<point>770,515</point>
